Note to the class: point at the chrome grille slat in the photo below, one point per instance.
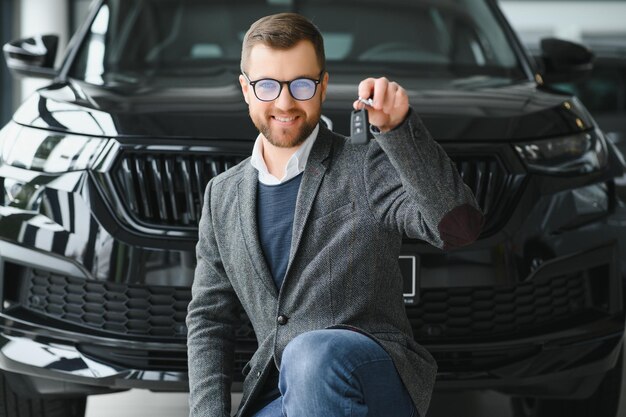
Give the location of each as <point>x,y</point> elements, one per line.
<point>169,177</point>
<point>478,187</point>
<point>200,184</point>
<point>490,187</point>
<point>129,185</point>
<point>463,168</point>
<point>139,170</point>
<point>157,188</point>
<point>215,168</point>
<point>186,177</point>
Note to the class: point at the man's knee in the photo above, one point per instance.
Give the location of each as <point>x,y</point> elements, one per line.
<point>307,355</point>
<point>335,368</point>
<point>323,353</point>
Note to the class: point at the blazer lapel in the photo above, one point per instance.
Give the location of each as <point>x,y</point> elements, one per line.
<point>311,180</point>
<point>247,190</point>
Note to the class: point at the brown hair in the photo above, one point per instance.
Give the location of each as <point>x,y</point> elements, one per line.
<point>282,31</point>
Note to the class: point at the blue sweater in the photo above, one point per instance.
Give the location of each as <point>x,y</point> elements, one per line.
<point>276,205</point>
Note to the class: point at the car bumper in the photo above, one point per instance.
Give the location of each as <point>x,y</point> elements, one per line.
<point>569,364</point>
<point>45,354</point>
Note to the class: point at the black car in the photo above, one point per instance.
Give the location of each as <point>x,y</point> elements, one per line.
<point>102,175</point>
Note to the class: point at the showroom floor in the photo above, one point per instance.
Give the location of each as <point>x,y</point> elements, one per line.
<point>139,403</point>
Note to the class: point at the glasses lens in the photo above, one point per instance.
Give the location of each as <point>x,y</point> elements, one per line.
<point>302,88</point>
<point>267,90</point>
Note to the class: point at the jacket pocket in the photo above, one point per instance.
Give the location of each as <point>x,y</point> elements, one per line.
<point>336,215</point>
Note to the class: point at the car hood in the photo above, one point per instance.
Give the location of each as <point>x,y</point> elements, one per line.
<point>472,111</point>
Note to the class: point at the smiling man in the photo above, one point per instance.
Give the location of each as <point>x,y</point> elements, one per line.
<point>306,235</point>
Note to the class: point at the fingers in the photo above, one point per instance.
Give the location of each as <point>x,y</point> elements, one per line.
<point>385,94</point>
<point>375,88</point>
<point>401,99</point>
<point>390,97</point>
<point>366,88</point>
<point>390,101</point>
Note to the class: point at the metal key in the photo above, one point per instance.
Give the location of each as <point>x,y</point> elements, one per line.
<point>367,101</point>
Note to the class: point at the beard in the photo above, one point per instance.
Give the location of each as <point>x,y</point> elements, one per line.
<point>286,137</point>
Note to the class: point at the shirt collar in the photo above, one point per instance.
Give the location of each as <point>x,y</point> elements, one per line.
<point>295,165</point>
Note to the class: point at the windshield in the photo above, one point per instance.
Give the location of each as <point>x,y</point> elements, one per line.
<point>129,41</point>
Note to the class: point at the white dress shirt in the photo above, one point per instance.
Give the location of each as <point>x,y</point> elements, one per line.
<point>295,165</point>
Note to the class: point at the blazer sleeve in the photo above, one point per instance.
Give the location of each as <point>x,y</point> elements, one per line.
<point>415,189</point>
<point>211,317</point>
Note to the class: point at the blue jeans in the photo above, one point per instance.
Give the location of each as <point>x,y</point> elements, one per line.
<point>333,373</point>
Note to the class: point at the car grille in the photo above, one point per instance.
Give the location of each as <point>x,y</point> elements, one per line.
<point>122,309</point>
<point>491,312</point>
<point>136,312</point>
<point>445,314</point>
<point>157,311</point>
<point>493,187</point>
<point>166,190</point>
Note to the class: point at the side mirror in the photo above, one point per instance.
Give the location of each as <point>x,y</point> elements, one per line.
<point>32,57</point>
<point>564,61</point>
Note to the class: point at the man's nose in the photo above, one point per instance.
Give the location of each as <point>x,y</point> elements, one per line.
<point>284,100</point>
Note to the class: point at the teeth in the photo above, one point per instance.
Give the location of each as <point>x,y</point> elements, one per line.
<point>284,119</point>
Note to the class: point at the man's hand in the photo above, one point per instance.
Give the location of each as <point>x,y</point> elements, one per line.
<point>391,103</point>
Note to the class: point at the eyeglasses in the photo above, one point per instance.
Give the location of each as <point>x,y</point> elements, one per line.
<point>269,89</point>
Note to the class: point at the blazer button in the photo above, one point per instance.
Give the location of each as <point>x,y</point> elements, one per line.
<point>282,320</point>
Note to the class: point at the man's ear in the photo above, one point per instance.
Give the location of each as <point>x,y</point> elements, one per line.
<point>245,87</point>
<point>324,85</point>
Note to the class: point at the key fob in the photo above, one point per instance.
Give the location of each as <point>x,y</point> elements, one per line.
<point>359,124</point>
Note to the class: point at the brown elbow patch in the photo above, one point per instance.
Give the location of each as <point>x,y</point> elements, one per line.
<point>460,226</point>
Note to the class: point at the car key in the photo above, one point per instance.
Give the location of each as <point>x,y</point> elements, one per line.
<point>359,124</point>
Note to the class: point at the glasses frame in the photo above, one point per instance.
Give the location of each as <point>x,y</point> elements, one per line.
<point>282,83</point>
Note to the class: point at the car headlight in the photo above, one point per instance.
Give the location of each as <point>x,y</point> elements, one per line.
<point>46,151</point>
<point>569,155</point>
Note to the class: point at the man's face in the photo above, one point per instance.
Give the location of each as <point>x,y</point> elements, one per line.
<point>284,122</point>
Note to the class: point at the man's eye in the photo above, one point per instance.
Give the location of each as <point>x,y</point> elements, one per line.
<point>267,84</point>
<point>301,83</point>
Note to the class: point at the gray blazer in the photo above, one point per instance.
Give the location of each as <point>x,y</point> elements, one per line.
<point>354,205</point>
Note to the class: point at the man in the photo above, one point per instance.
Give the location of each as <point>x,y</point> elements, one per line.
<point>306,235</point>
